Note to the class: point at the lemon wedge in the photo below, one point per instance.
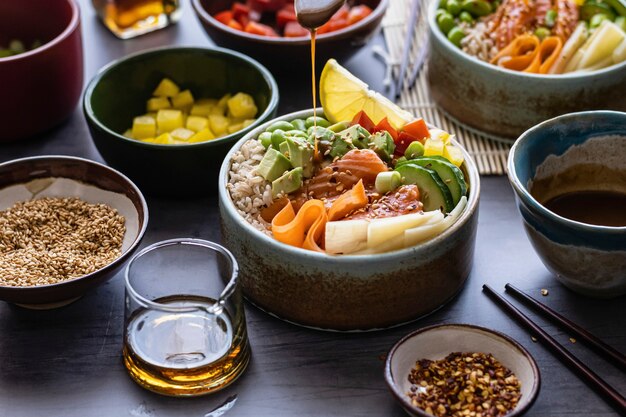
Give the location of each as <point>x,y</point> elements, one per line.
<point>343,95</point>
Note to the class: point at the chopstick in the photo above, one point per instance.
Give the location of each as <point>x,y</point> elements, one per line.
<point>590,377</point>
<point>419,62</point>
<point>605,351</point>
<point>415,5</point>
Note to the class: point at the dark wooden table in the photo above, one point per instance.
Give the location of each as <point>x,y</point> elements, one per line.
<point>67,362</point>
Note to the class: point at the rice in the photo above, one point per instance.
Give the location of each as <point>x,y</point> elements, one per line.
<point>478,41</point>
<point>249,191</point>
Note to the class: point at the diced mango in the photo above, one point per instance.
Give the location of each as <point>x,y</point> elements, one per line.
<point>222,104</point>
<point>218,124</point>
<point>242,105</point>
<point>453,154</point>
<point>196,123</point>
<point>203,107</point>
<point>248,122</point>
<point>147,140</point>
<point>168,120</point>
<point>202,136</point>
<point>144,127</point>
<point>163,139</point>
<point>157,103</point>
<point>183,100</point>
<point>181,134</point>
<point>439,134</point>
<point>235,127</point>
<point>217,110</point>
<point>128,133</point>
<point>433,147</point>
<point>166,88</point>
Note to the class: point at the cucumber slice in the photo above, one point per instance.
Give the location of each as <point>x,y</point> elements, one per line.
<point>449,173</point>
<point>434,194</point>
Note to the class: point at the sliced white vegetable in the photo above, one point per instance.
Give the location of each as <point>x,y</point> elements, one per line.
<point>430,230</point>
<point>575,41</point>
<point>619,54</point>
<point>602,44</point>
<point>599,65</point>
<point>572,65</point>
<point>346,236</point>
<point>383,230</point>
<point>390,245</point>
<point>456,213</point>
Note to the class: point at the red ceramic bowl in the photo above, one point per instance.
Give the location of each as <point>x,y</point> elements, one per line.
<point>41,87</point>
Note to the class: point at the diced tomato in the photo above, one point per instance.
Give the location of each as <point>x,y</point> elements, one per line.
<point>384,125</point>
<point>224,17</point>
<point>235,25</point>
<point>241,13</point>
<point>358,13</point>
<point>403,142</point>
<point>336,24</point>
<point>417,128</point>
<point>293,30</point>
<point>285,16</point>
<point>363,119</point>
<point>260,29</point>
<point>342,13</point>
<point>266,5</point>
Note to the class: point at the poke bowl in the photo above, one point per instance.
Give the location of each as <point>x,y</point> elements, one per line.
<point>352,277</point>
<point>340,43</point>
<point>519,78</point>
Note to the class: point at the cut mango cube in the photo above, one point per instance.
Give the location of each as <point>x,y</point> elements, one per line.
<point>157,103</point>
<point>217,110</point>
<point>235,127</point>
<point>144,127</point>
<point>168,120</point>
<point>242,105</point>
<point>166,88</point>
<point>453,154</point>
<point>196,123</point>
<point>439,134</point>
<point>147,140</point>
<point>433,147</point>
<point>203,107</point>
<point>182,134</point>
<point>163,139</point>
<point>248,122</point>
<point>218,124</point>
<point>202,136</point>
<point>222,104</point>
<point>183,100</point>
<point>128,133</point>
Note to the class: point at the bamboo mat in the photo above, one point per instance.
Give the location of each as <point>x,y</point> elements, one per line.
<point>490,155</point>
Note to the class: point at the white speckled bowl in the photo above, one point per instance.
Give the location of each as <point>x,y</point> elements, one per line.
<point>437,342</point>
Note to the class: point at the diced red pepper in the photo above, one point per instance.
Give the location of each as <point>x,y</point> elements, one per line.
<point>235,25</point>
<point>285,16</point>
<point>293,30</point>
<point>260,29</point>
<point>384,125</point>
<point>403,142</point>
<point>357,13</point>
<point>342,13</point>
<point>417,128</point>
<point>363,119</point>
<point>241,13</point>
<point>224,17</point>
<point>336,24</point>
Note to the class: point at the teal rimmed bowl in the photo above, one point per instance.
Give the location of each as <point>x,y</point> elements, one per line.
<point>349,292</point>
<point>119,92</point>
<point>587,258</point>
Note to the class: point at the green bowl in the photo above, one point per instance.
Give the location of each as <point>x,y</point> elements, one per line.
<point>119,92</point>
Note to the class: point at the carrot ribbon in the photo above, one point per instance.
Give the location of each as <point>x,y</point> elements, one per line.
<point>527,53</point>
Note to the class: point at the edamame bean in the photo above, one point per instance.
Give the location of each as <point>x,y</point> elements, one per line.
<point>550,19</point>
<point>298,133</point>
<point>476,7</point>
<point>443,4</point>
<point>455,35</point>
<point>453,7</point>
<point>466,17</point>
<point>282,125</point>
<point>597,20</point>
<point>278,137</point>
<point>299,124</point>
<point>445,22</point>
<point>266,139</point>
<point>542,33</point>
<point>319,121</point>
<point>414,150</point>
<point>338,127</point>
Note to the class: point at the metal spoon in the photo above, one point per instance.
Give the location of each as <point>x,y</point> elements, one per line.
<point>312,14</point>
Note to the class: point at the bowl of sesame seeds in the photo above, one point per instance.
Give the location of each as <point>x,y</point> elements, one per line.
<point>456,370</point>
<point>67,224</point>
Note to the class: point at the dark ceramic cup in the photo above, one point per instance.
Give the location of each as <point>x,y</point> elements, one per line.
<point>119,92</point>
<point>40,87</point>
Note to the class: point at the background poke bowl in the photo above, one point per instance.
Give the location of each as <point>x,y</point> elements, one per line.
<point>286,55</point>
<point>588,259</point>
<point>506,103</point>
<point>349,292</point>
<point>64,176</point>
<point>40,87</point>
<point>119,92</point>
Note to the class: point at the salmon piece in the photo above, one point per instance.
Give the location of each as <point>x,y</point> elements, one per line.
<point>513,18</point>
<point>566,20</point>
<point>402,201</point>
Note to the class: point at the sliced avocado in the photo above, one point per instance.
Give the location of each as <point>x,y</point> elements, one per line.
<point>284,149</point>
<point>273,165</point>
<point>340,147</point>
<point>382,143</point>
<point>356,135</point>
<point>449,174</point>
<point>433,192</point>
<point>301,154</point>
<point>287,183</point>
